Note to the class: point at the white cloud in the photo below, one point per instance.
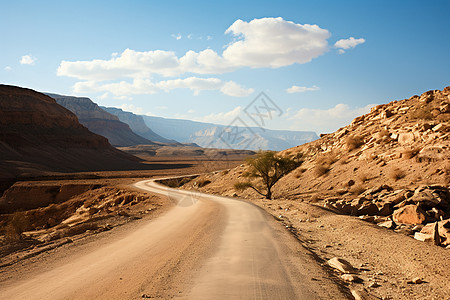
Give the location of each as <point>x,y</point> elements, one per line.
<point>162,107</point>
<point>222,118</point>
<point>274,42</point>
<point>131,108</point>
<point>231,88</point>
<point>301,89</point>
<point>267,42</point>
<point>27,60</point>
<point>328,120</point>
<point>348,43</point>
<point>147,87</point>
<point>177,36</point>
<point>7,68</point>
<point>189,36</point>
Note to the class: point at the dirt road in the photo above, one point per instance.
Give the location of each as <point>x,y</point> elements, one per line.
<point>206,247</point>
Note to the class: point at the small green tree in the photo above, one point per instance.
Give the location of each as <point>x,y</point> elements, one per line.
<point>269,167</point>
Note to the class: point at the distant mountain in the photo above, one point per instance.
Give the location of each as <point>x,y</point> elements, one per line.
<point>37,135</point>
<point>220,136</point>
<point>137,124</point>
<point>101,122</point>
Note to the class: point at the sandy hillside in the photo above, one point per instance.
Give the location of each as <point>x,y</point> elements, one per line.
<point>391,168</point>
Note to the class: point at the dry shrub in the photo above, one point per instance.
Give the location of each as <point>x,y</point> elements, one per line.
<point>224,172</point>
<point>423,113</point>
<point>357,189</point>
<point>315,198</point>
<point>353,142</point>
<point>320,170</point>
<point>298,173</point>
<point>17,224</point>
<point>409,153</point>
<point>363,177</point>
<point>202,182</point>
<point>396,174</point>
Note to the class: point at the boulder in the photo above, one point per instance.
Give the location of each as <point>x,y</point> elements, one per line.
<point>409,214</point>
<point>443,229</point>
<point>370,209</point>
<point>405,138</point>
<point>341,265</point>
<point>387,224</point>
<point>423,237</point>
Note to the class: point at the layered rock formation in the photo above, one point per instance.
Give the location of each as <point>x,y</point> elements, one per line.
<point>216,136</point>
<point>101,122</point>
<point>38,135</point>
<point>137,124</point>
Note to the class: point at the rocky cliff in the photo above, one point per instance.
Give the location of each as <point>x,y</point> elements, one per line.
<point>38,135</point>
<point>101,122</point>
<point>215,136</point>
<point>137,124</point>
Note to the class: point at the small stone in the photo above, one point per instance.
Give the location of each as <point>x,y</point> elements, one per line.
<point>423,237</point>
<point>388,224</point>
<point>341,265</point>
<point>350,277</point>
<point>374,285</point>
<point>416,280</point>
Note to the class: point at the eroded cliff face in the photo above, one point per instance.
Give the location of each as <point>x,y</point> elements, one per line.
<point>100,122</point>
<point>38,135</point>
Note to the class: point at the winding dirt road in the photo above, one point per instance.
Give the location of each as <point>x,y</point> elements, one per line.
<point>206,247</point>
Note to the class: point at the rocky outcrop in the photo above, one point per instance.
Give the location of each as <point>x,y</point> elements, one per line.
<point>38,135</point>
<point>137,124</point>
<point>210,135</point>
<point>101,122</point>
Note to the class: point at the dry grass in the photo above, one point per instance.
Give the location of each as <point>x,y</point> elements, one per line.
<point>298,173</point>
<point>17,224</point>
<point>363,177</point>
<point>354,142</point>
<point>423,113</point>
<point>396,174</point>
<point>203,182</point>
<point>357,189</point>
<point>320,170</point>
<point>409,153</point>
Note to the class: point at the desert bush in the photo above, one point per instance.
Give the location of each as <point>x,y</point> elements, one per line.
<point>363,177</point>
<point>203,182</point>
<point>423,113</point>
<point>17,224</point>
<point>357,189</point>
<point>320,170</point>
<point>298,173</point>
<point>269,168</point>
<point>353,142</point>
<point>409,153</point>
<point>224,172</point>
<point>396,174</point>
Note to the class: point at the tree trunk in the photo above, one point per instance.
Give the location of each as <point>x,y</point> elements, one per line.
<point>269,195</point>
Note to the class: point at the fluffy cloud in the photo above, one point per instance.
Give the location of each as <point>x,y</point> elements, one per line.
<point>231,88</point>
<point>301,89</point>
<point>147,87</point>
<point>7,68</point>
<point>328,120</point>
<point>222,118</point>
<point>27,60</point>
<point>266,42</point>
<point>345,44</point>
<point>260,43</point>
<point>274,42</point>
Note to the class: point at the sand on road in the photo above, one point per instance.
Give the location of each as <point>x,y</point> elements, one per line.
<point>206,247</point>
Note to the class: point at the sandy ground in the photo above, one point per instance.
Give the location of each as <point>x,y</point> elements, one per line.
<point>206,247</point>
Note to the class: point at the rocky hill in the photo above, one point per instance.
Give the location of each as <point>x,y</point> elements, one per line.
<point>212,135</point>
<point>137,124</point>
<point>37,135</point>
<point>390,166</point>
<point>101,122</point>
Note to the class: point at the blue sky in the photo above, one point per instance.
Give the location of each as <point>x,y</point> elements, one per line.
<point>207,60</point>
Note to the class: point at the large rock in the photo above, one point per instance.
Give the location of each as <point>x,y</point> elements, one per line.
<point>409,214</point>
<point>430,196</point>
<point>443,229</point>
<point>341,265</point>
